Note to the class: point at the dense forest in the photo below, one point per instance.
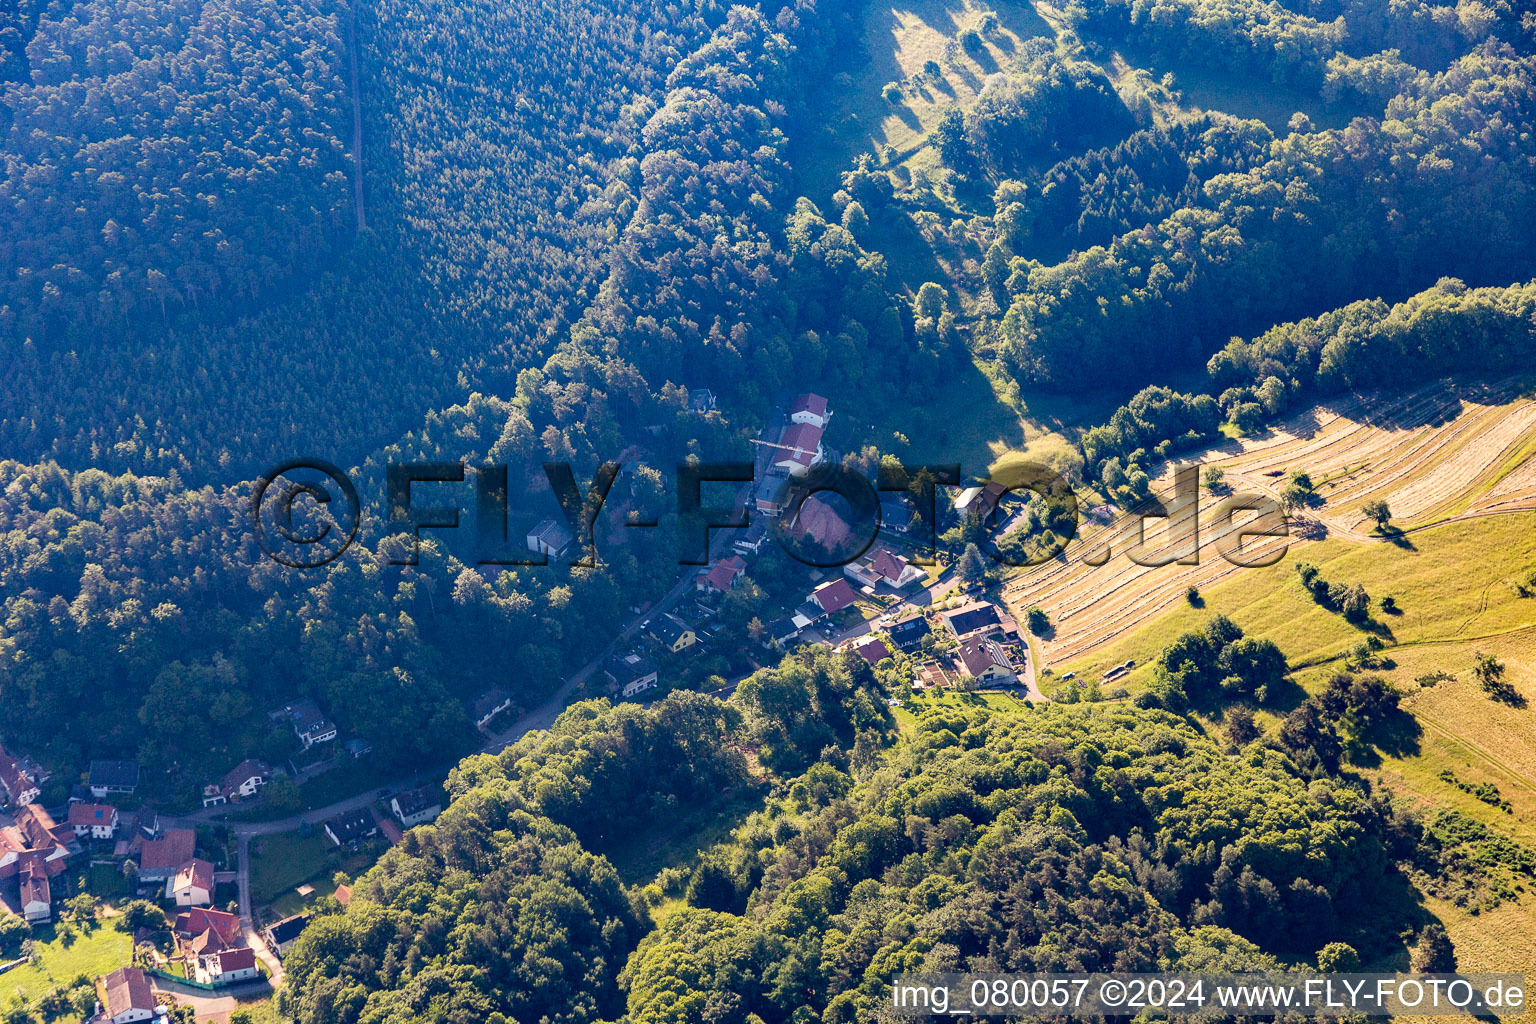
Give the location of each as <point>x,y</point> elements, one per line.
<point>1076,838</point>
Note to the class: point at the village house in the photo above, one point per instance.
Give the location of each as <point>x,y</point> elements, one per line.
<point>985,659</point>
<point>633,673</point>
<point>36,892</point>
<point>896,513</point>
<point>771,491</point>
<point>549,538</point>
<point>201,921</point>
<point>810,410</point>
<point>225,967</point>
<point>971,617</point>
<point>721,576</point>
<point>488,705</point>
<point>980,500</point>
<point>672,633</point>
<point>108,777</point>
<point>872,650</point>
<point>126,996</point>
<point>700,401</point>
<point>832,596</point>
<point>285,933</point>
<point>785,631</point>
<point>246,779</point>
<point>799,449</point>
<point>240,783</point>
<point>160,859</point>
<point>751,542</point>
<point>18,785</point>
<point>12,845</point>
<point>99,821</point>
<point>309,723</point>
<point>417,806</point>
<point>351,828</point>
<point>908,634</point>
<point>881,565</point>
<point>192,884</point>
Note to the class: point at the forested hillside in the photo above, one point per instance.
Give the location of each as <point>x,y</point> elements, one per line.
<point>522,231</point>
<point>1068,839</point>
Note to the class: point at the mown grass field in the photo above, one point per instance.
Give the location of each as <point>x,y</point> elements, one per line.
<point>1451,587</point>
<point>102,950</point>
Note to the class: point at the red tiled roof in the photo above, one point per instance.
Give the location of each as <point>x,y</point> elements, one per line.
<point>833,596</point>
<point>34,880</point>
<point>201,919</point>
<point>873,650</point>
<point>889,565</point>
<point>87,815</point>
<point>195,873</point>
<point>813,404</point>
<point>822,523</point>
<point>207,942</point>
<point>724,573</point>
<point>343,894</point>
<point>127,989</point>
<point>803,436</point>
<point>37,825</point>
<point>171,852</point>
<point>232,960</point>
<point>12,839</point>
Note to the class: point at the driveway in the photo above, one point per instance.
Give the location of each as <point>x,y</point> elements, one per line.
<point>253,937</point>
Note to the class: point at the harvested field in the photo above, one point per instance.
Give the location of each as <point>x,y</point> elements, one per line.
<point>1452,451</point>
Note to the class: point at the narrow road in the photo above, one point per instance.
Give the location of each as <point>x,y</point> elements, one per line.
<point>541,717</point>
<point>248,917</point>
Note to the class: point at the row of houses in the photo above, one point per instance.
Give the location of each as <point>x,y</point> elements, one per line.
<point>986,639</point>
<point>411,808</point>
<point>797,451</point>
<point>989,643</point>
<point>34,851</point>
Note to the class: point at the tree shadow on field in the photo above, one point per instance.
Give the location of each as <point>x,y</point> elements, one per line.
<point>907,114</point>
<point>1397,735</point>
<point>1284,696</point>
<point>1304,424</point>
<point>1396,537</point>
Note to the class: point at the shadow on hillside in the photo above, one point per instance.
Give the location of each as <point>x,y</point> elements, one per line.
<point>1397,736</point>
<point>1023,20</point>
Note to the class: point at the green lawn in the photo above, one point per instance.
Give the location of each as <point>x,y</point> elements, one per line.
<point>100,952</point>
<point>282,863</point>
<point>106,883</point>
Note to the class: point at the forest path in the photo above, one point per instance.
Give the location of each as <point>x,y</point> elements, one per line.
<point>357,120</point>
